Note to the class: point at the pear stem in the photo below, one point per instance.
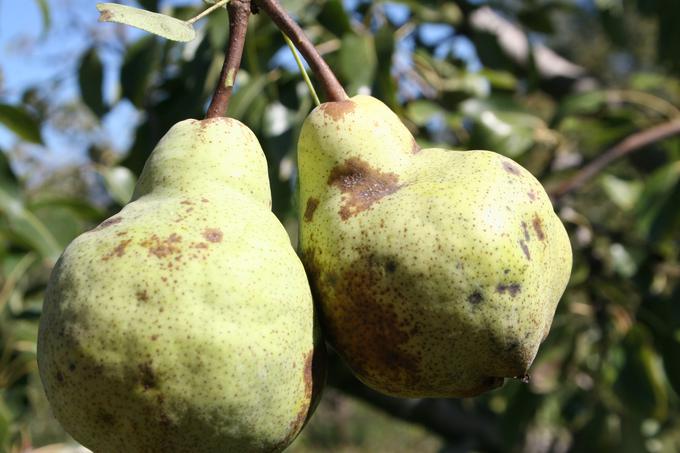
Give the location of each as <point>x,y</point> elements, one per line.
<point>239,13</point>
<point>302,69</point>
<point>333,89</point>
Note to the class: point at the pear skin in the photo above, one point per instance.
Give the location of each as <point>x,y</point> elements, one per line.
<point>437,272</point>
<point>184,322</point>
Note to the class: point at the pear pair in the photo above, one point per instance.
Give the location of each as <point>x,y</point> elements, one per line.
<point>184,322</point>
<point>437,272</point>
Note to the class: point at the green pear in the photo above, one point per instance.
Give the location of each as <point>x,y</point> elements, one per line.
<point>184,322</point>
<point>437,272</point>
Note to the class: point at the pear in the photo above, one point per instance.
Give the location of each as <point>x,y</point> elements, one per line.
<point>184,322</point>
<point>437,272</point>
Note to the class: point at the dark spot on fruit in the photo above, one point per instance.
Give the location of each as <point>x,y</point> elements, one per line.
<point>532,195</point>
<point>525,249</point>
<point>142,296</point>
<point>154,337</point>
<point>147,376</point>
<point>513,289</point>
<point>415,147</point>
<point>213,234</point>
<point>511,168</point>
<point>204,200</point>
<point>105,417</point>
<point>60,376</point>
<point>475,298</point>
<point>71,367</point>
<point>118,250</point>
<point>361,185</point>
<point>108,222</point>
<point>312,204</point>
<point>337,110</point>
<point>506,271</point>
<point>538,228</point>
<point>186,202</point>
<point>390,266</point>
<point>160,248</point>
<point>512,346</point>
<point>526,231</point>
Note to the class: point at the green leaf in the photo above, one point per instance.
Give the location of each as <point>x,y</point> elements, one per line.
<point>27,228</point>
<point>141,60</point>
<point>91,78</point>
<point>158,24</point>
<point>421,111</point>
<point>45,13</point>
<point>640,384</point>
<point>334,18</point>
<point>357,61</point>
<point>19,121</point>
<point>120,183</point>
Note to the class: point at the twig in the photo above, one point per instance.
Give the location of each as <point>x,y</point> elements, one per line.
<point>206,12</point>
<point>333,89</point>
<point>239,12</point>
<point>630,144</point>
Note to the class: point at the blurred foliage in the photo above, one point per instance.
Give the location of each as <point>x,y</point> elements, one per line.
<point>608,376</point>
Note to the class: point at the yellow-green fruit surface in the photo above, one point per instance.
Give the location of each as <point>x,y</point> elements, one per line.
<point>437,272</point>
<point>185,322</point>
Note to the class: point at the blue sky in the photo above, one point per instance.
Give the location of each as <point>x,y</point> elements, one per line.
<point>31,56</point>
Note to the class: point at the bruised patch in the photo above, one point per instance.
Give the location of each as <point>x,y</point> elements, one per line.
<point>142,296</point>
<point>532,195</point>
<point>538,227</point>
<point>161,248</point>
<point>118,250</point>
<point>108,222</point>
<point>337,110</point>
<point>525,249</point>
<point>312,204</point>
<point>361,185</point>
<point>475,298</point>
<point>513,289</point>
<point>147,376</point>
<point>366,324</point>
<point>511,168</point>
<point>213,234</point>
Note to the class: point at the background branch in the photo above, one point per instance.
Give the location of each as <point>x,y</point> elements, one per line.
<point>239,12</point>
<point>630,144</point>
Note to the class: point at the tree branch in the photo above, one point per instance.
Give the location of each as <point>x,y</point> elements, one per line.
<point>627,146</point>
<point>239,12</point>
<point>332,88</point>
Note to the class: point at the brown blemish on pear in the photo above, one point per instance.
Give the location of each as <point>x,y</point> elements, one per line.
<point>361,185</point>
<point>312,204</point>
<point>118,251</point>
<point>213,234</point>
<point>538,227</point>
<point>162,248</point>
<point>337,110</point>
<point>107,223</point>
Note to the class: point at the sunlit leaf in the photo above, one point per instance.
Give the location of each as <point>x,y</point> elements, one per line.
<point>158,24</point>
